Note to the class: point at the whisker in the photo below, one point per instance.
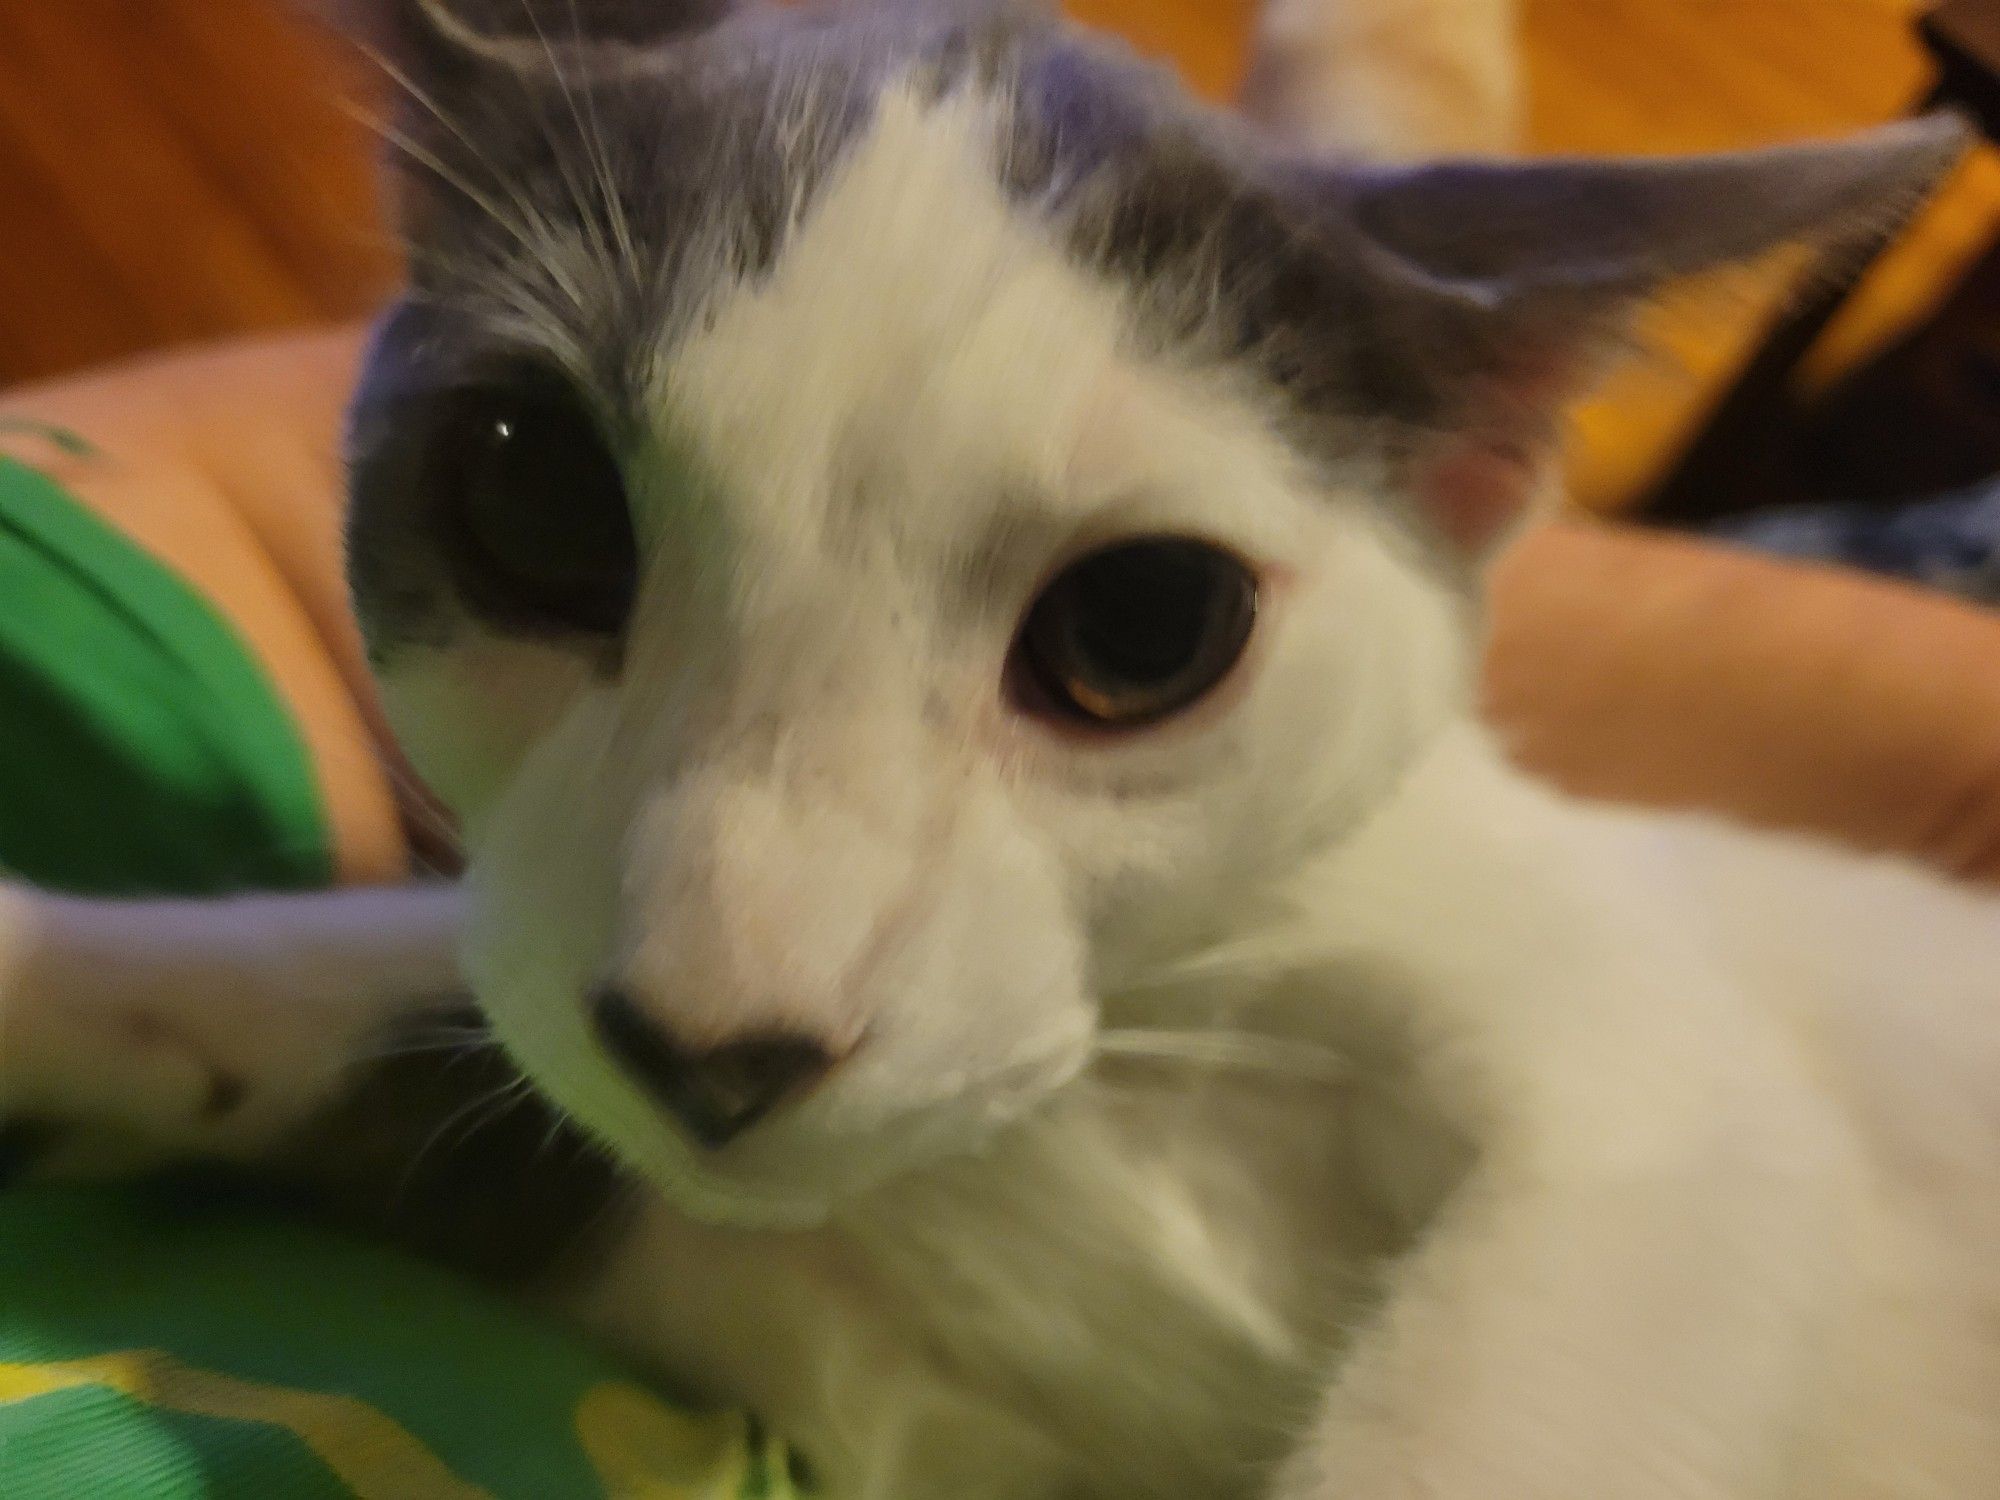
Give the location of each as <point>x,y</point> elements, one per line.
<point>480,1112</point>
<point>560,1124</point>
<point>578,197</point>
<point>1227,1050</point>
<point>505,281</point>
<point>532,215</point>
<point>453,1050</point>
<point>423,98</point>
<point>445,173</point>
<point>469,1038</point>
<point>600,150</point>
<point>1220,963</point>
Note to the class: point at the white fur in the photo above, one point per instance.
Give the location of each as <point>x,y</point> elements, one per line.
<point>1679,1252</point>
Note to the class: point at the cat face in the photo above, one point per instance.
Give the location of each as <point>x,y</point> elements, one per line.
<point>890,530</point>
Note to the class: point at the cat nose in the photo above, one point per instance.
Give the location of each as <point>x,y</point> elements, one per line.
<point>717,1092</point>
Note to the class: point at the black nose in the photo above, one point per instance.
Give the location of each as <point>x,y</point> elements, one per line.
<point>717,1092</point>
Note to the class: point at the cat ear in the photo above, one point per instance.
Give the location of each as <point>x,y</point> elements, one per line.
<point>1546,261</point>
<point>1614,230</point>
<point>519,32</point>
<point>962,11</point>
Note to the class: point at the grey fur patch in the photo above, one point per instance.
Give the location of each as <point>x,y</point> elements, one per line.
<point>1231,260</point>
<point>432,35</point>
<point>590,206</point>
<point>584,21</point>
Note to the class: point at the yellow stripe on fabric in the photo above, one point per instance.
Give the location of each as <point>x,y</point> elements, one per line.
<point>369,1452</point>
<point>643,1450</point>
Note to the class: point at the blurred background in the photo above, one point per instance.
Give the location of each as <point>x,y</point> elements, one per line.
<point>173,170</point>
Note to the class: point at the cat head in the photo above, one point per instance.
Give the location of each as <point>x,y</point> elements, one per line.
<point>891,524</point>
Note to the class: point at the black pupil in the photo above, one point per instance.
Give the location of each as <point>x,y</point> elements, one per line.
<point>1139,631</point>
<point>541,505</point>
<point>1138,615</point>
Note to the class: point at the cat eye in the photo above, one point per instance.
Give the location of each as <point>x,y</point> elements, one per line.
<point>535,504</point>
<point>1135,633</point>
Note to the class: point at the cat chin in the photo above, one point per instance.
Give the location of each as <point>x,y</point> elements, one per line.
<point>800,1199</point>
<point>796,1178</point>
<point>804,1194</point>
<point>724,1204</point>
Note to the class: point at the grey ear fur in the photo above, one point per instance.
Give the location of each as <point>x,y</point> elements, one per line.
<point>960,10</point>
<point>440,31</point>
<point>1526,274</point>
<point>588,21</point>
<point>1583,231</point>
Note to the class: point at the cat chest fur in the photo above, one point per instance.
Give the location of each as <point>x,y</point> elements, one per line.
<point>1137,1294</point>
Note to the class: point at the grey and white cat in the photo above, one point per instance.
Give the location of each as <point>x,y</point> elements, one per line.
<point>941,580</point>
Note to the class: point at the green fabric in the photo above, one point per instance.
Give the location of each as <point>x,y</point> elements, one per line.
<point>154,1348</point>
<point>142,749</point>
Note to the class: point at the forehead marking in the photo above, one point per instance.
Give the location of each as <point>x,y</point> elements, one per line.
<point>917,318</point>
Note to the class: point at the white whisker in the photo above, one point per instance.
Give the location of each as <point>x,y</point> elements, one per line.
<point>600,151</point>
<point>476,1115</point>
<point>1229,1050</point>
<point>402,141</point>
<point>578,197</point>
<point>532,216</point>
<point>453,1049</point>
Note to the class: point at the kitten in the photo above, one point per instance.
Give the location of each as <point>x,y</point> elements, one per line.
<point>941,581</point>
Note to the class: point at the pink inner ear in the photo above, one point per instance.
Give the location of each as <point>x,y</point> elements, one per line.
<point>1477,489</point>
<point>1480,480</point>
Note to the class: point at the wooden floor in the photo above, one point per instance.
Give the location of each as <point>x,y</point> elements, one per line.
<point>177,169</point>
<point>171,170</point>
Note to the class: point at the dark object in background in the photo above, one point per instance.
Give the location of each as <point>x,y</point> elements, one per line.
<point>1964,37</point>
<point>1921,418</point>
<point>1951,544</point>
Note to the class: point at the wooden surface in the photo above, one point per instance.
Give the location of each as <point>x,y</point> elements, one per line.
<point>1685,75</point>
<point>177,169</point>
<point>171,170</point>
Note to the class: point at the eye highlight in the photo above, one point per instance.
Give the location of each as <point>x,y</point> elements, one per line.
<point>1134,633</point>
<point>534,504</point>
